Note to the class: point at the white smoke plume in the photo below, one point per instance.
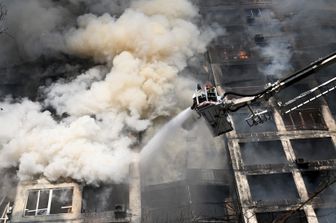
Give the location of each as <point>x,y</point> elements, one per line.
<point>145,49</point>
<point>182,149</point>
<point>277,49</point>
<point>279,54</point>
<point>157,36</point>
<point>80,149</point>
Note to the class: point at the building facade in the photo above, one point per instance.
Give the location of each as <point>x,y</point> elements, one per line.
<point>281,169</point>
<point>42,201</point>
<point>284,166</point>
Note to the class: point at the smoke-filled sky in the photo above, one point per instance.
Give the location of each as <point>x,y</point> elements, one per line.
<point>37,27</point>
<point>144,46</point>
<point>306,23</point>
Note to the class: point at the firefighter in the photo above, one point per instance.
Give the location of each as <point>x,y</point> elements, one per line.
<point>211,92</point>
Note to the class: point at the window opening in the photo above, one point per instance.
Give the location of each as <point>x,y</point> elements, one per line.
<point>49,201</point>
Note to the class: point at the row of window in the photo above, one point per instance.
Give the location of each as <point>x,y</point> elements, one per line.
<point>271,152</point>
<point>60,200</point>
<point>299,119</point>
<point>279,188</point>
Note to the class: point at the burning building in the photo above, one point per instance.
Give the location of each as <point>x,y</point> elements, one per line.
<point>77,108</point>
<point>284,169</point>
<point>85,86</point>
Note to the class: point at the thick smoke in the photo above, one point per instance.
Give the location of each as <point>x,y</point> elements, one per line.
<point>80,148</point>
<point>310,24</point>
<point>157,37</point>
<point>279,54</point>
<point>36,28</point>
<point>275,47</point>
<point>33,29</point>
<point>145,49</point>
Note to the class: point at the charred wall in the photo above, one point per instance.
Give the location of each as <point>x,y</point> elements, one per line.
<point>26,79</point>
<point>276,161</point>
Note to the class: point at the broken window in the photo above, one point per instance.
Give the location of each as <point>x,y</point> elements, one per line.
<point>61,201</point>
<point>320,184</point>
<point>259,39</point>
<point>273,189</point>
<point>49,201</point>
<point>314,149</point>
<point>296,217</point>
<point>241,77</point>
<point>268,152</point>
<point>305,119</point>
<point>304,114</point>
<point>208,201</point>
<point>326,215</point>
<point>104,198</point>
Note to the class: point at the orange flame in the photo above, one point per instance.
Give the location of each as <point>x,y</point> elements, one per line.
<point>243,55</point>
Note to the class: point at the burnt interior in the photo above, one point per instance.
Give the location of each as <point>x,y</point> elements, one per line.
<point>321,185</point>
<point>237,57</point>
<point>306,117</point>
<point>105,198</point>
<point>326,215</point>
<point>268,217</point>
<point>273,188</point>
<point>61,201</point>
<point>233,75</point>
<point>26,79</point>
<point>314,149</point>
<point>265,152</point>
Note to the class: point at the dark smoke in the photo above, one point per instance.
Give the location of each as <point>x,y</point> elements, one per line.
<point>312,22</point>
<point>35,28</point>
